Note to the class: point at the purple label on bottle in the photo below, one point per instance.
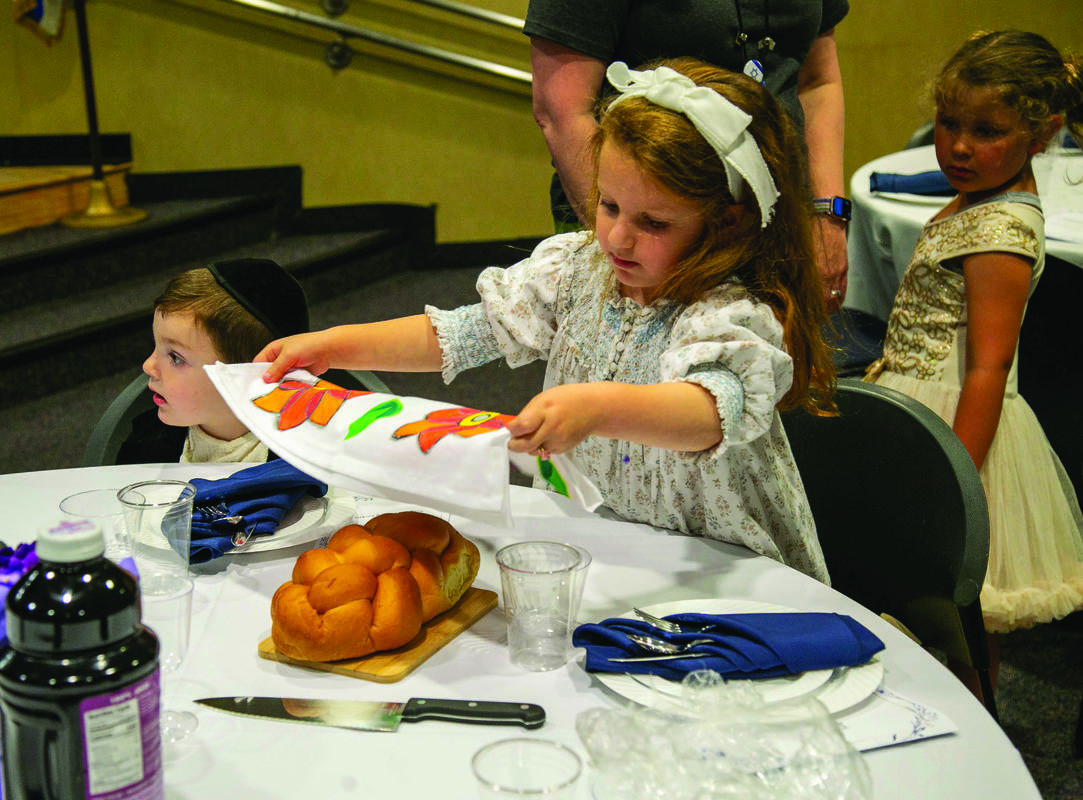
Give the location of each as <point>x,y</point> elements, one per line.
<point>122,745</point>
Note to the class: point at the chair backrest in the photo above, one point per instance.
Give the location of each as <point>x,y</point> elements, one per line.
<point>901,513</point>
<point>113,427</point>
<point>115,424</point>
<point>921,136</point>
<point>1046,382</point>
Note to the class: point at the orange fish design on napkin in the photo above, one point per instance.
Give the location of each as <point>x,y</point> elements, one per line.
<point>295,402</point>
<point>458,421</point>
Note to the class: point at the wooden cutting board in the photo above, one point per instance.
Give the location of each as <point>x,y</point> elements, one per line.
<point>388,666</point>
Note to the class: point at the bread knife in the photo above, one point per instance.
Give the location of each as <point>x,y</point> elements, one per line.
<point>376,716</point>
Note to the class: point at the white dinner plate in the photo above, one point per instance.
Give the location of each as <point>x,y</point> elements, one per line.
<point>837,689</point>
<point>310,519</point>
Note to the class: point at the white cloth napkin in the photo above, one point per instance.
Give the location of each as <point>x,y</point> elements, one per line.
<point>409,449</point>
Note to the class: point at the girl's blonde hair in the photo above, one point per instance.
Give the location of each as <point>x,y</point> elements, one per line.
<point>237,336</point>
<point>776,264</point>
<point>1030,76</point>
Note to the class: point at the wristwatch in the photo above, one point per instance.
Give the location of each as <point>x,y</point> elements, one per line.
<point>838,207</point>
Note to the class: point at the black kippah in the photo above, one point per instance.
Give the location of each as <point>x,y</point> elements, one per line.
<point>266,291</point>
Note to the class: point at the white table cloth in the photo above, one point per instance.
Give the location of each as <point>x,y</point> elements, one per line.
<point>885,227</point>
<point>232,757</point>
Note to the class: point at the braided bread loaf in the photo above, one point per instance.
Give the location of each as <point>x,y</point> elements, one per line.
<point>372,587</point>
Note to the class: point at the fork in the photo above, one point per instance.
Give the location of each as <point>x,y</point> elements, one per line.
<point>658,622</point>
<point>663,624</point>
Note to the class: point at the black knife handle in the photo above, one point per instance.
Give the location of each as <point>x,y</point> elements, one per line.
<point>478,712</point>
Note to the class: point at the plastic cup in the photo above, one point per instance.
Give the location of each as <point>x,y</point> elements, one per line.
<point>541,592</point>
<point>167,610</point>
<point>579,576</point>
<point>525,768</point>
<point>158,516</point>
<point>102,506</point>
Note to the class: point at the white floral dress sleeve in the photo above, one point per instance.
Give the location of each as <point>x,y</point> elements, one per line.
<point>732,346</point>
<point>518,314</point>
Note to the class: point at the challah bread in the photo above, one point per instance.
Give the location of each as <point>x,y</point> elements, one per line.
<point>443,562</point>
<point>372,587</point>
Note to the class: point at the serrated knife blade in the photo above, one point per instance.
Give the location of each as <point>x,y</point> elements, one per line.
<point>366,715</point>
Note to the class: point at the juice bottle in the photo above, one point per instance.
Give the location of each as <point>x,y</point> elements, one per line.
<point>79,690</point>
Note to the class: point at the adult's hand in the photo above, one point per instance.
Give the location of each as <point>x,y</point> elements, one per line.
<point>830,242</point>
<point>819,89</point>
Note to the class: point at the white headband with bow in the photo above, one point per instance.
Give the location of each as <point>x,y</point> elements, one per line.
<point>718,120</point>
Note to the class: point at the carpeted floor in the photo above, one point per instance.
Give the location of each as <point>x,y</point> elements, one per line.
<point>1041,682</point>
<point>1039,694</point>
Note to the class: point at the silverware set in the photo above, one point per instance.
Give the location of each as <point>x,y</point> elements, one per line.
<point>219,513</point>
<point>661,649</point>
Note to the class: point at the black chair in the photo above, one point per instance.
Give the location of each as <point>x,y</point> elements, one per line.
<point>858,339</point>
<point>902,517</point>
<point>1048,382</point>
<point>922,135</point>
<point>115,423</point>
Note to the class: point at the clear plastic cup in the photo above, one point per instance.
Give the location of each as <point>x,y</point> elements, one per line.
<point>525,767</point>
<point>168,612</point>
<point>158,516</point>
<point>102,506</point>
<point>541,591</point>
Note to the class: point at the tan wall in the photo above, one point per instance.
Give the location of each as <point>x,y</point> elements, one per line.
<point>889,50</point>
<point>199,90</point>
<point>202,87</point>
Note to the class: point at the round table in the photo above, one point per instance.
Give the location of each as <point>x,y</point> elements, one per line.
<point>886,226</point>
<point>632,565</point>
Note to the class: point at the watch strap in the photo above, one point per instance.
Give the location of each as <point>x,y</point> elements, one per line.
<point>838,207</point>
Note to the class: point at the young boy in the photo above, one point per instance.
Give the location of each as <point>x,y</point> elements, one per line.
<point>225,312</point>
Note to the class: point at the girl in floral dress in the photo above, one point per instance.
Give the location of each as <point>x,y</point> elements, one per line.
<point>674,329</point>
<point>953,331</point>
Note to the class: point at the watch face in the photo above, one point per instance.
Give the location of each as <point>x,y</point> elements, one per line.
<point>841,207</point>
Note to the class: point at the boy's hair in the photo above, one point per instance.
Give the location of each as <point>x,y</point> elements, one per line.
<point>241,304</point>
<point>1027,72</point>
<point>776,264</point>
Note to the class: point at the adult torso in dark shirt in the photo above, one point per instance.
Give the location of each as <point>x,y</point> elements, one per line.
<point>636,31</point>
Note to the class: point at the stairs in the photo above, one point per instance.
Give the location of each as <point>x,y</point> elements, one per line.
<point>76,304</point>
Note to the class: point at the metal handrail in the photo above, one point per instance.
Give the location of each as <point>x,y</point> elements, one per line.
<point>355,32</point>
<point>516,23</point>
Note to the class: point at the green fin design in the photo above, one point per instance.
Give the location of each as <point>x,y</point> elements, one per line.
<point>387,409</point>
<point>552,475</point>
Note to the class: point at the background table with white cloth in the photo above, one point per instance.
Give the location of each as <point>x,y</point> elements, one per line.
<point>886,226</point>
<point>632,564</point>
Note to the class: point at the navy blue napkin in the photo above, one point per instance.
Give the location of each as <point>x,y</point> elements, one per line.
<point>259,495</point>
<point>933,182</point>
<point>743,646</point>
